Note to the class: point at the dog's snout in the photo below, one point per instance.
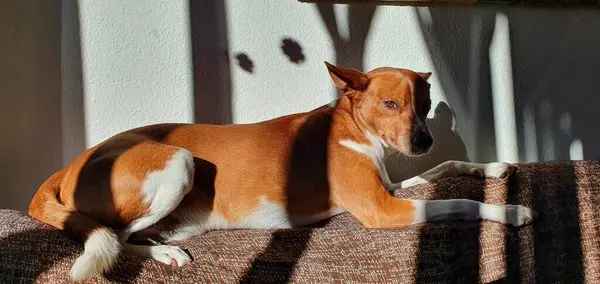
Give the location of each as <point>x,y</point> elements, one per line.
<point>422,141</point>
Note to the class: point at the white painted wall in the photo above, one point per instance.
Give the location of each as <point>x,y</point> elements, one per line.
<point>513,83</point>
<point>136,65</point>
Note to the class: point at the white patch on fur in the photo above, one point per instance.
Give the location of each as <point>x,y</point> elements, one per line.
<point>420,215</point>
<point>493,212</point>
<point>194,224</point>
<point>177,174</point>
<point>465,209</point>
<point>271,215</point>
<point>164,189</point>
<point>101,251</point>
<point>375,151</point>
<point>516,215</point>
<point>169,255</point>
<point>414,181</point>
<point>498,169</point>
<point>267,216</point>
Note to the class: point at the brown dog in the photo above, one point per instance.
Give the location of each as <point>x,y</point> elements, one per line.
<point>185,179</point>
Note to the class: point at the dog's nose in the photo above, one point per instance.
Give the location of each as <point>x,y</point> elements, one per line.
<point>422,141</point>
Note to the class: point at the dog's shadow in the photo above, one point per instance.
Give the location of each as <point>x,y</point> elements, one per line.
<point>447,146</point>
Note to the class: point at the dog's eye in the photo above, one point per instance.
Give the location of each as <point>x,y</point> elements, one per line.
<point>391,105</point>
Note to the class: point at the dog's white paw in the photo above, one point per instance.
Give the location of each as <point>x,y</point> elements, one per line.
<point>519,215</point>
<point>498,170</point>
<point>170,255</point>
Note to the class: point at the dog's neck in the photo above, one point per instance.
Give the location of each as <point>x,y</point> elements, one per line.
<point>359,137</point>
<point>357,127</point>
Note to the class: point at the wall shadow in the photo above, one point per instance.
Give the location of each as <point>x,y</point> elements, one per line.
<point>211,66</point>
<point>245,62</point>
<point>349,52</point>
<point>41,106</point>
<point>553,61</point>
<point>30,104</point>
<point>458,40</point>
<point>73,100</point>
<point>293,50</point>
<point>555,81</point>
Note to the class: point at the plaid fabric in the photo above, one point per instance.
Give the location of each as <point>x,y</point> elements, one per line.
<point>562,246</point>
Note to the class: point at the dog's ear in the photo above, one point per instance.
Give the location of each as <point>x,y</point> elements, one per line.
<point>347,79</point>
<point>425,75</point>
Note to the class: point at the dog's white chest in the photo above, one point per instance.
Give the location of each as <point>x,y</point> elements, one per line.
<point>375,151</point>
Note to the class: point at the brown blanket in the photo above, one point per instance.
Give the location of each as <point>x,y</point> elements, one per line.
<point>562,246</point>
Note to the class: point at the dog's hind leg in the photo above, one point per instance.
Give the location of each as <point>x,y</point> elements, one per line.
<point>169,255</point>
<point>163,191</point>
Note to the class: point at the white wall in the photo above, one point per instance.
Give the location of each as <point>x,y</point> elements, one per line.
<point>136,65</point>
<point>521,89</point>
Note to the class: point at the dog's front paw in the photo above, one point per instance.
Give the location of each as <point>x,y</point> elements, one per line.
<point>498,170</point>
<point>519,215</point>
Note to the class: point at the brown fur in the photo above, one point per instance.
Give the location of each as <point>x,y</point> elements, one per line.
<point>295,161</point>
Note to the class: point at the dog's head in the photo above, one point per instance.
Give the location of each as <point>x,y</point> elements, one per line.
<point>389,103</point>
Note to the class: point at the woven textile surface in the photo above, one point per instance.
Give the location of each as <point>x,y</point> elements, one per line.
<point>562,246</point>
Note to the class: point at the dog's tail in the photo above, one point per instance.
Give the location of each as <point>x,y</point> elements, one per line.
<point>102,245</point>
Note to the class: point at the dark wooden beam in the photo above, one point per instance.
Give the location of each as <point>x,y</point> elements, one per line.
<point>595,4</point>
